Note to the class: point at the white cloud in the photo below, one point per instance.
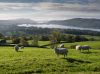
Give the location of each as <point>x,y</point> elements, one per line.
<point>48,10</point>
<point>51,6</point>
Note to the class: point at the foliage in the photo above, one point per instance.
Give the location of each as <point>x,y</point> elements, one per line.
<point>1,36</point>
<point>28,31</point>
<point>44,38</point>
<point>23,41</point>
<point>35,40</point>
<point>79,38</point>
<point>15,40</point>
<point>55,38</point>
<point>3,41</point>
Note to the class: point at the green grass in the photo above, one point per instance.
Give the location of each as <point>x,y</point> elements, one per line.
<point>43,60</point>
<point>40,42</point>
<point>89,36</point>
<point>93,44</point>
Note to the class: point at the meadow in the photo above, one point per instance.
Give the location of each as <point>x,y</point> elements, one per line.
<point>43,60</point>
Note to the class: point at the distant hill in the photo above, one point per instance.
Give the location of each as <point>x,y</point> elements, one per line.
<point>17,21</point>
<point>78,22</point>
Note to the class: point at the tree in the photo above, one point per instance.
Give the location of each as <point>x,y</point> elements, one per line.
<point>23,41</point>
<point>53,41</point>
<point>44,38</point>
<point>15,40</point>
<point>70,38</point>
<point>79,38</point>
<point>3,41</point>
<point>56,35</point>
<point>55,38</point>
<point>1,36</point>
<point>35,40</point>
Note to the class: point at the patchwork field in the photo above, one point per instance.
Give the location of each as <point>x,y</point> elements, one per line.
<point>43,60</point>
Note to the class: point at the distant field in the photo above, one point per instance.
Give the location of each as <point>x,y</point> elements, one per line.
<point>43,60</point>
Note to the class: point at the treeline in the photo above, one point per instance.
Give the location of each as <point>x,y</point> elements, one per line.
<point>20,31</point>
<point>55,37</point>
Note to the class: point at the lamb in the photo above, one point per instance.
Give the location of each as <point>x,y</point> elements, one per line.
<point>62,51</point>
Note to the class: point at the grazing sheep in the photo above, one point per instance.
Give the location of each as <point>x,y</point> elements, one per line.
<point>78,47</point>
<point>84,47</point>
<point>22,47</point>
<point>16,47</point>
<point>62,51</point>
<point>61,45</point>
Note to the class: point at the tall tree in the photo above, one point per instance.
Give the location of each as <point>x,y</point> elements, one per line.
<point>35,40</point>
<point>55,38</point>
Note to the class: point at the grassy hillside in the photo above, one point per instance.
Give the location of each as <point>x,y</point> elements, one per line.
<point>43,60</point>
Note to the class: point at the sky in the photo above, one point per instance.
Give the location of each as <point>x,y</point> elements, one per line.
<point>45,10</point>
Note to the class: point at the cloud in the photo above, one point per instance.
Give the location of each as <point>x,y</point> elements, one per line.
<point>50,6</point>
<point>50,9</point>
<point>53,1</point>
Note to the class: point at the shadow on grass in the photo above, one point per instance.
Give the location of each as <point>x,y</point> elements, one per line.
<point>89,52</point>
<point>19,51</point>
<point>72,60</point>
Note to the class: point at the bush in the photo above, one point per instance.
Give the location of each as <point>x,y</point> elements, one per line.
<point>44,38</point>
<point>15,40</point>
<point>3,41</point>
<point>35,40</point>
<point>23,42</point>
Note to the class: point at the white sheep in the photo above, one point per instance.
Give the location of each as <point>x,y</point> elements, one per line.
<point>78,47</point>
<point>62,51</point>
<point>61,45</point>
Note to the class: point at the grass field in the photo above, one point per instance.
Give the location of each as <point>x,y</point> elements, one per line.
<point>44,60</point>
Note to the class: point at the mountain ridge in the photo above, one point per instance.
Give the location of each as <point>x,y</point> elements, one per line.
<point>75,22</point>
<point>78,22</point>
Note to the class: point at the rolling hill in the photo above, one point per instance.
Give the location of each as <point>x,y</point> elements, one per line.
<point>78,22</point>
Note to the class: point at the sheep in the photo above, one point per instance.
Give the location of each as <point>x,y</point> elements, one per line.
<point>78,47</point>
<point>61,45</point>
<point>21,47</point>
<point>16,47</point>
<point>84,47</point>
<point>62,51</point>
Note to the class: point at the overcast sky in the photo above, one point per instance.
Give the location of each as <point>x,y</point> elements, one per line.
<point>41,10</point>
